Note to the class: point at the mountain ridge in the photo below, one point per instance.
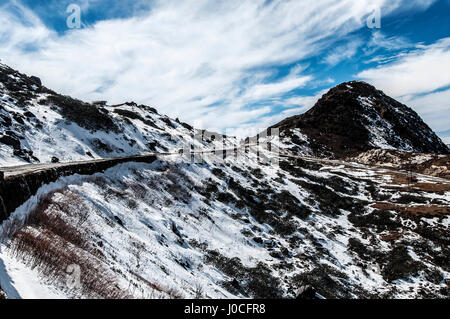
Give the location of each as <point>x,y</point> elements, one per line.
<point>223,226</point>
<point>39,125</point>
<point>355,117</point>
<point>351,118</point>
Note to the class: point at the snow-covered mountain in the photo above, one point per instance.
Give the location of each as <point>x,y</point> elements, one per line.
<point>38,124</point>
<point>224,226</point>
<point>355,117</point>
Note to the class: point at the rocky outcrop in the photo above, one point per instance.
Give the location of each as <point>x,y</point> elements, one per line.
<point>306,292</point>
<point>428,164</point>
<point>355,117</point>
<point>3,294</point>
<point>14,191</point>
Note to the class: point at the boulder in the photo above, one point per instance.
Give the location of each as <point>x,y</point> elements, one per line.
<point>11,141</point>
<point>236,284</point>
<point>118,221</point>
<point>306,292</point>
<point>3,294</point>
<point>36,80</point>
<point>99,103</point>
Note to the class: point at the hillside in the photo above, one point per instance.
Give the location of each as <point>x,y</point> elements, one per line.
<point>428,164</point>
<point>38,125</point>
<point>355,117</point>
<point>224,226</point>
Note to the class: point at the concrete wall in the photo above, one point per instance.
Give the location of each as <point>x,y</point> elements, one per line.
<point>16,190</point>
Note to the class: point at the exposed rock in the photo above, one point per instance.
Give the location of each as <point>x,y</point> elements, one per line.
<point>99,103</point>
<point>118,220</point>
<point>2,294</point>
<point>306,292</point>
<point>355,117</point>
<point>428,164</point>
<point>400,265</point>
<point>11,141</point>
<point>84,114</point>
<point>36,80</point>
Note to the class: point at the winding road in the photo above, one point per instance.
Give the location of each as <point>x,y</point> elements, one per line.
<point>11,171</point>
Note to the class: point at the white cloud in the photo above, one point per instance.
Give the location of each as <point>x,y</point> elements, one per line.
<point>379,40</point>
<point>303,103</point>
<point>264,91</point>
<point>344,52</point>
<point>420,71</point>
<point>434,108</point>
<point>293,106</point>
<point>414,77</point>
<point>193,59</point>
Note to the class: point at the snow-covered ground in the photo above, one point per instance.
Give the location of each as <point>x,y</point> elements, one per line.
<point>241,228</point>
<point>38,124</point>
<point>177,229</point>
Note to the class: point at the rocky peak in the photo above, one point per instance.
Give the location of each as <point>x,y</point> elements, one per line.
<point>355,117</point>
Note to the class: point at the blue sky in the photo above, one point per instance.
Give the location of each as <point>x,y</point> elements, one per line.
<point>232,65</point>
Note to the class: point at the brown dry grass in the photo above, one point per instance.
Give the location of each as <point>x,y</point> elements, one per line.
<point>172,293</point>
<point>401,180</point>
<point>413,212</point>
<point>392,236</point>
<point>53,238</point>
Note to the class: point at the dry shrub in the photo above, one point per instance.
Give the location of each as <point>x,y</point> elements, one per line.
<point>172,180</point>
<point>51,255</point>
<point>9,228</point>
<point>176,175</point>
<point>114,192</point>
<point>198,291</point>
<point>179,185</point>
<point>171,292</point>
<point>97,180</point>
<point>53,222</point>
<point>138,190</point>
<point>13,225</point>
<point>130,194</point>
<point>49,242</point>
<point>62,202</point>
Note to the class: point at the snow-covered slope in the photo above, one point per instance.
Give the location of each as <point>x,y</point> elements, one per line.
<point>211,228</point>
<point>234,229</point>
<point>38,124</point>
<point>429,164</point>
<point>355,117</point>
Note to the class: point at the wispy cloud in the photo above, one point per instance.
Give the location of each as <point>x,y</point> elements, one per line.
<point>302,103</point>
<point>264,91</point>
<point>379,40</point>
<point>433,107</point>
<point>419,79</point>
<point>192,59</point>
<point>344,52</point>
<point>419,71</point>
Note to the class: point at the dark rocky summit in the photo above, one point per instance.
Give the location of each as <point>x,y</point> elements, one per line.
<point>355,117</point>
